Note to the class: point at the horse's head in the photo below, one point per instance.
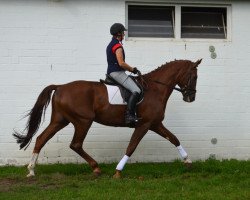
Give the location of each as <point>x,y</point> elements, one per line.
<point>188,80</point>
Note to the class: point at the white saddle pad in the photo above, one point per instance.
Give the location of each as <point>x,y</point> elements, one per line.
<point>114,95</point>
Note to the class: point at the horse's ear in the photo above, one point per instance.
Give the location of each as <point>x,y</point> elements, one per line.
<point>197,63</point>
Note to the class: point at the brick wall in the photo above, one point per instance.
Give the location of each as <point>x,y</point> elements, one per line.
<point>45,42</point>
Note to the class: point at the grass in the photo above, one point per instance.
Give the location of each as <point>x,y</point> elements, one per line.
<point>211,179</point>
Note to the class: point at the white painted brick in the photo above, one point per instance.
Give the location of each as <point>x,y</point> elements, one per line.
<point>46,42</point>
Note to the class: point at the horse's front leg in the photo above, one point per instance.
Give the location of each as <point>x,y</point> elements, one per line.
<point>164,132</point>
<point>138,134</point>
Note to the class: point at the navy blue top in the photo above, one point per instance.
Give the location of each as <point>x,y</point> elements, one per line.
<point>113,65</point>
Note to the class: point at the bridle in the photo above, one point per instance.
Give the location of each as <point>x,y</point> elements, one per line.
<point>187,90</point>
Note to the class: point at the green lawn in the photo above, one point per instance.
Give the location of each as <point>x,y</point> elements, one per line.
<point>211,179</point>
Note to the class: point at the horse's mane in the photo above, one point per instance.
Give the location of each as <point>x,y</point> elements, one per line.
<point>166,66</point>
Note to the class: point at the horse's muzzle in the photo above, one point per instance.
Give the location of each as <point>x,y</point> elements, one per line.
<point>189,98</point>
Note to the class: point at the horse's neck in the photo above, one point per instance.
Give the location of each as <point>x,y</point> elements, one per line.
<point>167,78</point>
<point>166,75</point>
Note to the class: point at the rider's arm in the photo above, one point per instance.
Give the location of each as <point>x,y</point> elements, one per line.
<point>121,62</point>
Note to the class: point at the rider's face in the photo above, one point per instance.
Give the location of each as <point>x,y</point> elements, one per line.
<point>121,36</point>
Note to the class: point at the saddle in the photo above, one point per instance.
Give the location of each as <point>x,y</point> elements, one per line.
<point>125,93</point>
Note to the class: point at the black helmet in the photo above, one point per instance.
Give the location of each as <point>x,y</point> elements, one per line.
<point>117,28</point>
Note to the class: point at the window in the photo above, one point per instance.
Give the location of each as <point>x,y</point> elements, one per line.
<point>160,20</point>
<point>150,21</point>
<point>203,22</point>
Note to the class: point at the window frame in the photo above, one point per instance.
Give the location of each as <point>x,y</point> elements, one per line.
<point>177,21</point>
<point>154,5</point>
<point>191,27</point>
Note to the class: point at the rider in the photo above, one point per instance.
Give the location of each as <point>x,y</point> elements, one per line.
<point>117,67</point>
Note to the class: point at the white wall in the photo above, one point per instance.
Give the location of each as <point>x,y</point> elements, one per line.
<point>45,42</point>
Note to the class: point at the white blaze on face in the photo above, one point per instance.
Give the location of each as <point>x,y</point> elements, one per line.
<point>186,99</point>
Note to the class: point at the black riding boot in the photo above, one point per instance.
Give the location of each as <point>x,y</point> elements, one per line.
<point>130,117</point>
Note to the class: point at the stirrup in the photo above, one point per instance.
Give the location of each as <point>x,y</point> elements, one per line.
<point>131,120</point>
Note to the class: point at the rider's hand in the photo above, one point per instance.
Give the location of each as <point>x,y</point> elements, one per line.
<point>136,71</point>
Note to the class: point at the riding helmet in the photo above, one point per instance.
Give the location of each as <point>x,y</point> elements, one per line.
<point>117,28</point>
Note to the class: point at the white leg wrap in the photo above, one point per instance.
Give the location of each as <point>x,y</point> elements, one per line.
<point>122,163</point>
<point>32,164</point>
<point>182,152</point>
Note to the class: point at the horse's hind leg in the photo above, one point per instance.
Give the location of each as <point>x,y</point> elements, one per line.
<point>42,139</point>
<point>164,132</point>
<point>81,130</point>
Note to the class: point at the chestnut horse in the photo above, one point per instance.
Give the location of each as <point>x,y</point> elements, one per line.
<point>82,102</point>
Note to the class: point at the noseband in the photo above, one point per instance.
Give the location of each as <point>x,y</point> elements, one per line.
<point>187,90</point>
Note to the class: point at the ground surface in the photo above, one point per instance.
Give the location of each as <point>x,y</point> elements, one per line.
<point>205,180</point>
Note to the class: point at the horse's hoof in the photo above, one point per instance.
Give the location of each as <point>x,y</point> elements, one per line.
<point>97,171</point>
<point>117,175</point>
<point>188,162</point>
<point>30,175</point>
<point>31,171</point>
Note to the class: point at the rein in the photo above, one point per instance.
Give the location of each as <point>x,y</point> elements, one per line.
<point>186,90</point>
<point>145,84</point>
<point>175,88</point>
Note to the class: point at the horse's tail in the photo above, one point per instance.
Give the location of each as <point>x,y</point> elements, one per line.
<point>35,116</point>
